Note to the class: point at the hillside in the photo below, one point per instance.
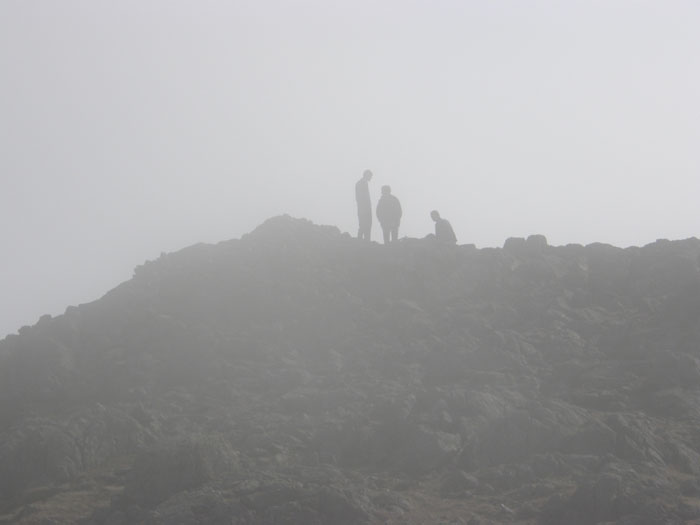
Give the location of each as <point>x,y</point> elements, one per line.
<point>298,375</point>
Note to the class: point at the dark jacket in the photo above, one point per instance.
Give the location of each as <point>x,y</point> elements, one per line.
<point>389,211</point>
<point>444,232</point>
<point>362,195</point>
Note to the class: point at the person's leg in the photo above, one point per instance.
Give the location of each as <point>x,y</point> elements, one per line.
<point>386,231</point>
<point>365,230</point>
<point>394,233</point>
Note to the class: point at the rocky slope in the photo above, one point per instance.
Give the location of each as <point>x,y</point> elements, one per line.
<point>298,375</point>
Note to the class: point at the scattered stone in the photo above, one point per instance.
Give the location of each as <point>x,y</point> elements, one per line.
<point>299,376</point>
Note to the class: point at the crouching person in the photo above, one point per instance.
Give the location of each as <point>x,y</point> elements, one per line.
<point>443,229</point>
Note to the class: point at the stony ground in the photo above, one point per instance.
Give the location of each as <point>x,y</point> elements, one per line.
<point>298,375</point>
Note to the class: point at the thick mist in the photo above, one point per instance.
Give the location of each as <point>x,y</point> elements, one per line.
<point>133,128</point>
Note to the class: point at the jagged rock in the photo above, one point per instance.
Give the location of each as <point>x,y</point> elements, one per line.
<point>299,375</point>
<point>536,243</point>
<point>456,483</point>
<point>426,450</point>
<point>54,450</point>
<point>170,468</point>
<point>515,245</point>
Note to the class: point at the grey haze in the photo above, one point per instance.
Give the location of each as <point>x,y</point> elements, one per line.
<point>135,127</point>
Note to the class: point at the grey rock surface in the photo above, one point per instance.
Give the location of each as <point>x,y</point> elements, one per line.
<point>298,375</point>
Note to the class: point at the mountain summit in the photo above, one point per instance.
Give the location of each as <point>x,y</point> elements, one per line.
<point>298,375</point>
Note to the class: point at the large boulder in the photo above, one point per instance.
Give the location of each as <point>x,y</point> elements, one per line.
<point>170,467</point>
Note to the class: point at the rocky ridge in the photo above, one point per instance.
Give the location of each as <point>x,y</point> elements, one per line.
<point>298,375</point>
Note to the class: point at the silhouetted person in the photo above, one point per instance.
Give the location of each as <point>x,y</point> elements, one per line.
<point>443,229</point>
<point>389,215</point>
<point>364,206</point>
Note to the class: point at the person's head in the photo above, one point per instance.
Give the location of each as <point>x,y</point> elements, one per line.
<point>386,190</point>
<point>367,175</point>
<point>434,215</point>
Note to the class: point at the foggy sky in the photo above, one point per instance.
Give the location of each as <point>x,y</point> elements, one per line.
<point>137,127</point>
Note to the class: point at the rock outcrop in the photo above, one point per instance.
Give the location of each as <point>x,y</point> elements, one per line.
<point>298,375</point>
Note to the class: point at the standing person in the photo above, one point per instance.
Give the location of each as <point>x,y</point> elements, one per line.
<point>443,229</point>
<point>364,206</point>
<point>389,215</point>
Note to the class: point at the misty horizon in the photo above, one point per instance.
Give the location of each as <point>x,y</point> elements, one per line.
<point>144,127</point>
